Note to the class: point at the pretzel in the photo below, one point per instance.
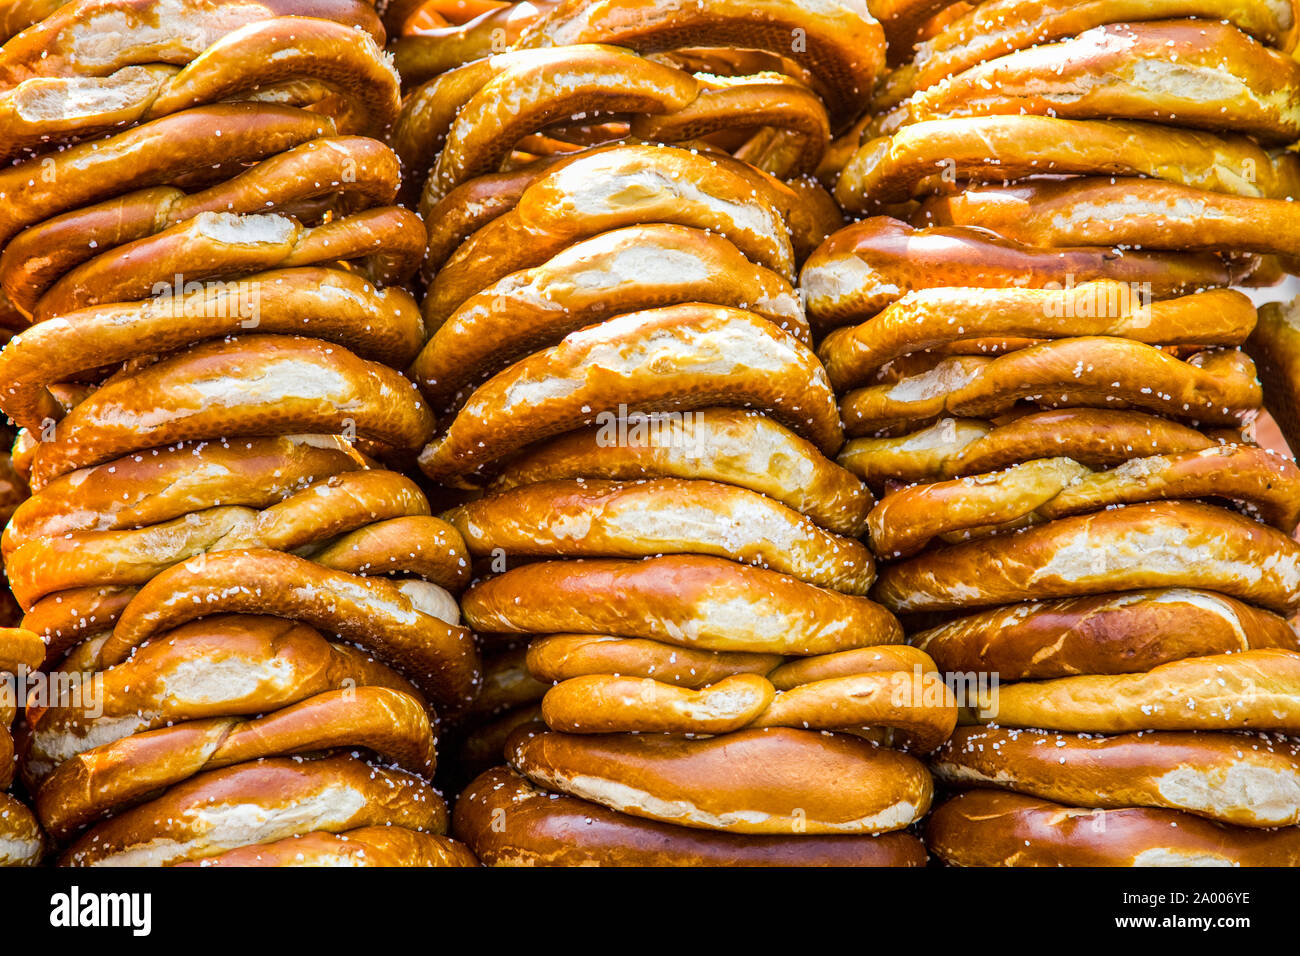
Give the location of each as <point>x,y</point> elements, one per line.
<point>994,28</point>
<point>1266,484</point>
<point>929,318</point>
<point>728,445</point>
<point>423,53</point>
<point>865,267</point>
<point>168,151</point>
<point>141,490</point>
<point>675,599</point>
<point>318,513</point>
<point>1105,634</point>
<point>301,61</point>
<point>952,448</point>
<point>398,622</point>
<point>344,172</point>
<point>609,189</point>
<point>472,205</point>
<point>626,270</point>
<point>364,846</point>
<point>1169,544</point>
<point>885,658</point>
<point>144,33</point>
<point>602,703</point>
<point>1251,781</point>
<point>383,325</point>
<point>268,665</point>
<point>842,45</point>
<point>1255,689</point>
<point>21,840</point>
<point>1216,386</point>
<point>1128,71</point>
<point>559,657</point>
<point>92,784</point>
<point>388,243</point>
<point>991,828</point>
<point>288,796</point>
<point>1275,347</point>
<point>592,518</point>
<point>697,783</point>
<point>1125,212</point>
<point>677,358</point>
<point>547,829</point>
<point>542,86</point>
<point>191,396</point>
<point>1003,148</point>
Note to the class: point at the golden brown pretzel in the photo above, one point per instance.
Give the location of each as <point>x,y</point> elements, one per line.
<point>673,359</point>
<point>269,664</point>
<point>783,788</point>
<point>1128,71</point>
<point>1267,484</point>
<point>343,173</point>
<point>594,518</point>
<point>538,87</point>
<point>21,841</point>
<point>397,622</point>
<point>299,61</point>
<point>675,599</point>
<point>558,657</point>
<point>991,828</point>
<point>1123,212</point>
<point>730,445</point>
<point>421,54</point>
<point>386,242</point>
<point>318,513</point>
<point>609,189</point>
<point>98,781</point>
<point>364,846</point>
<point>1257,689</point>
<point>841,43</point>
<point>195,396</point>
<point>58,45</point>
<point>1170,544</point>
<point>951,448</point>
<point>141,490</point>
<point>774,101</point>
<point>1000,148</point>
<point>1247,780</point>
<point>171,150</point>
<point>1217,386</point>
<point>928,318</point>
<point>383,325</point>
<point>626,270</point>
<point>864,267</point>
<point>994,28</point>
<point>1275,347</point>
<point>547,829</point>
<point>1105,634</point>
<point>289,795</point>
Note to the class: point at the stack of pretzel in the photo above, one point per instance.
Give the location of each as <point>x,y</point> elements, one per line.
<point>202,260</point>
<point>1041,371</point>
<point>617,205</point>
